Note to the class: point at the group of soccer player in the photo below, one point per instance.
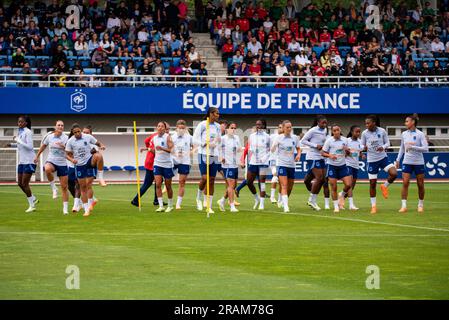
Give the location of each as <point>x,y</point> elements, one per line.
<point>76,159</point>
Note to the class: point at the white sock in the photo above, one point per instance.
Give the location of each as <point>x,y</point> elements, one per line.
<point>313,198</point>
<point>262,202</point>
<point>373,201</point>
<point>100,174</point>
<point>421,203</point>
<point>86,207</point>
<point>232,205</point>
<point>170,202</point>
<point>161,202</point>
<point>386,184</point>
<point>404,203</point>
<point>256,197</point>
<point>279,197</point>
<point>210,201</point>
<point>30,201</point>
<point>326,202</point>
<point>53,185</point>
<point>77,202</point>
<point>351,202</point>
<point>273,193</point>
<point>285,200</point>
<point>199,193</point>
<point>179,201</point>
<point>222,200</point>
<point>310,197</point>
<point>335,204</point>
<point>89,201</point>
<point>65,206</point>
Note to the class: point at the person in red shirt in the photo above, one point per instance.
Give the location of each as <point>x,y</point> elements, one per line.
<point>283,82</point>
<point>261,11</point>
<point>288,36</point>
<point>294,27</point>
<point>314,37</point>
<point>352,38</point>
<point>149,165</point>
<point>325,38</point>
<point>249,11</point>
<point>261,35</point>
<point>333,48</point>
<point>340,35</point>
<point>227,50</point>
<point>254,69</point>
<point>244,24</point>
<point>230,22</point>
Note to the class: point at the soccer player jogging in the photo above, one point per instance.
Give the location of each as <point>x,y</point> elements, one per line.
<point>259,153</point>
<point>315,138</point>
<point>352,162</point>
<point>56,162</point>
<point>78,149</point>
<point>287,151</point>
<point>413,145</point>
<point>230,147</point>
<point>183,146</point>
<point>274,168</point>
<point>200,140</point>
<point>73,184</point>
<point>26,166</point>
<point>335,149</point>
<point>98,171</point>
<point>375,141</point>
<point>163,166</point>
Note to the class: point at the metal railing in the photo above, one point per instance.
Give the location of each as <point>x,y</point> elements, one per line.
<point>220,81</point>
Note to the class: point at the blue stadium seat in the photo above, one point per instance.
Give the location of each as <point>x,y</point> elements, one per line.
<point>344,50</point>
<point>229,63</point>
<point>31,60</point>
<point>3,61</point>
<point>85,62</point>
<point>176,62</point>
<point>5,70</point>
<point>318,50</point>
<point>129,168</point>
<point>115,168</point>
<point>90,71</point>
<point>142,168</point>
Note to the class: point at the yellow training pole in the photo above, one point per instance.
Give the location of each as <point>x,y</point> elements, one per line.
<point>207,165</point>
<point>136,151</point>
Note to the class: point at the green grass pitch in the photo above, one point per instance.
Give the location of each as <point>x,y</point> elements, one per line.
<point>126,254</point>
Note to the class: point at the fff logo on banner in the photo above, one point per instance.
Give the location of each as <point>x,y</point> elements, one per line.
<point>78,101</point>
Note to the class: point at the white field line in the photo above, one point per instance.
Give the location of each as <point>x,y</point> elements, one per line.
<point>298,214</point>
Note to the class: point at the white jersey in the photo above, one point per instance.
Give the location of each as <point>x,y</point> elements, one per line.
<point>286,150</point>
<point>81,148</point>
<point>336,147</point>
<point>182,146</point>
<point>162,158</point>
<point>199,138</point>
<point>259,148</point>
<point>24,142</point>
<point>314,137</point>
<point>413,145</point>
<point>355,147</point>
<point>373,140</point>
<point>56,148</point>
<point>230,147</point>
<point>273,139</point>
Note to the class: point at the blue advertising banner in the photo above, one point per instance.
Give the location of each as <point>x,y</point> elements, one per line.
<point>169,100</point>
<point>436,164</point>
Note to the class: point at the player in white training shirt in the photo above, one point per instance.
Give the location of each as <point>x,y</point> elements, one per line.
<point>376,142</point>
<point>274,168</point>
<point>413,145</point>
<point>183,146</point>
<point>56,162</point>
<point>26,166</point>
<point>287,151</point>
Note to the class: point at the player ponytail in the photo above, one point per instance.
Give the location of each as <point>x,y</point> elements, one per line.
<point>74,126</point>
<point>209,111</point>
<point>415,118</point>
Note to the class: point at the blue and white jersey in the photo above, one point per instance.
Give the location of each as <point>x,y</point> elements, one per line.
<point>373,140</point>
<point>199,138</point>
<point>81,148</point>
<point>24,143</point>
<point>314,137</point>
<point>355,147</point>
<point>336,147</point>
<point>162,158</point>
<point>273,139</point>
<point>182,146</point>
<point>56,148</point>
<point>413,145</point>
<point>230,148</point>
<point>286,150</point>
<point>259,148</point>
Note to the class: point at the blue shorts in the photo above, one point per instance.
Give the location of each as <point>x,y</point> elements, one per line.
<point>286,172</point>
<point>337,172</point>
<point>231,173</point>
<point>219,167</point>
<point>61,171</point>
<point>85,171</point>
<point>167,173</point>
<point>319,164</point>
<point>26,168</point>
<point>354,172</point>
<point>72,174</point>
<point>182,168</point>
<point>213,165</point>
<point>413,168</point>
<point>261,170</point>
<point>375,167</point>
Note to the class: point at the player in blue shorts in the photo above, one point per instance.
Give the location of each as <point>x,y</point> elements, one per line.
<point>287,152</point>
<point>413,145</point>
<point>229,157</point>
<point>335,149</point>
<point>56,162</point>
<point>375,141</point>
<point>274,169</point>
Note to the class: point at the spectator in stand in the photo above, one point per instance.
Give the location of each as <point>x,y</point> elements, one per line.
<point>242,74</point>
<point>81,47</point>
<point>325,38</point>
<point>437,48</point>
<point>99,58</point>
<point>254,46</point>
<point>119,70</point>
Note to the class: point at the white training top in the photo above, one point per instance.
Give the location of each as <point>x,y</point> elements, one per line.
<point>315,136</point>
<point>230,147</point>
<point>162,158</point>
<point>416,143</point>
<point>286,150</point>
<point>272,140</point>
<point>336,147</point>
<point>182,146</point>
<point>259,148</point>
<point>373,140</point>
<point>81,148</point>
<point>199,138</point>
<point>56,148</point>
<point>355,147</point>
<point>24,142</point>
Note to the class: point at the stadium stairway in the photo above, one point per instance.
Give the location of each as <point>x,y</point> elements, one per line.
<point>209,53</point>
